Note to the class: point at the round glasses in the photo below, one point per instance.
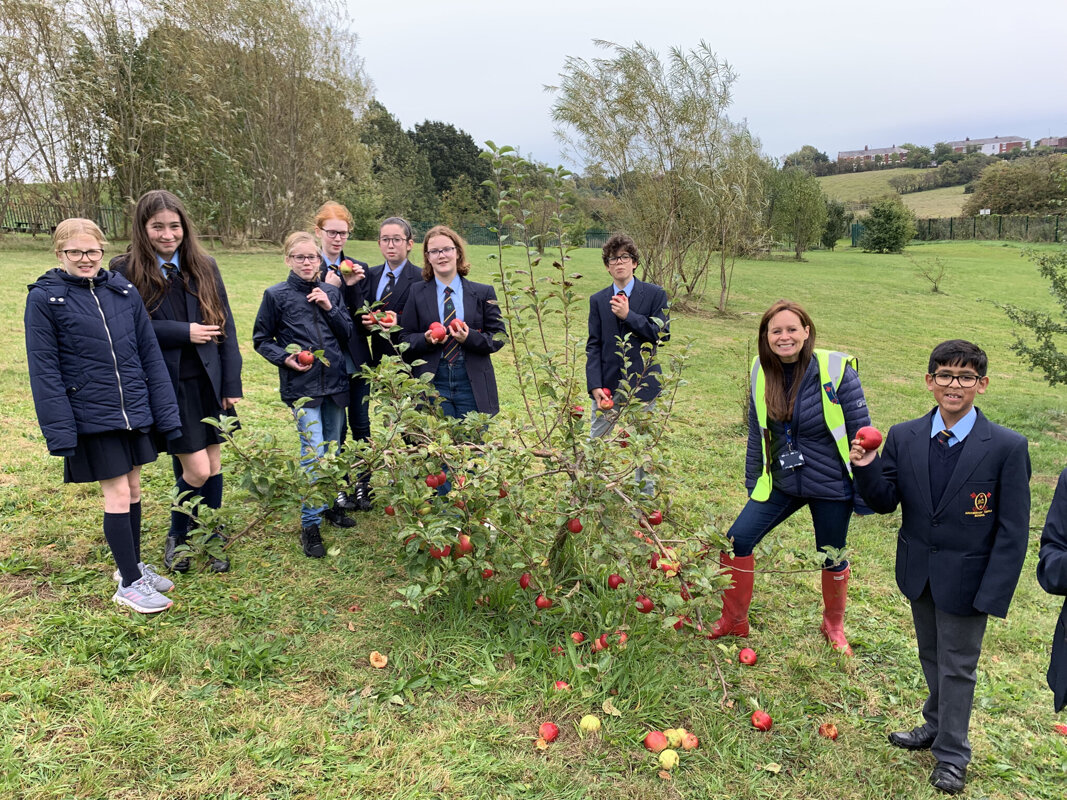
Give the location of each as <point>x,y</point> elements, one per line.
<point>78,255</point>
<point>625,258</point>
<point>965,381</point>
<point>335,234</point>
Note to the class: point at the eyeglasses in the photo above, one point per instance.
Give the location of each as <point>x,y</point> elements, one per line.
<point>300,259</point>
<point>78,255</point>
<point>441,251</point>
<point>623,259</point>
<point>965,381</point>
<point>334,234</point>
<point>392,240</point>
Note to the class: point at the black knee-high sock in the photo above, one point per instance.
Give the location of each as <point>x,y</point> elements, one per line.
<point>180,522</point>
<point>135,528</point>
<point>212,491</point>
<point>120,539</point>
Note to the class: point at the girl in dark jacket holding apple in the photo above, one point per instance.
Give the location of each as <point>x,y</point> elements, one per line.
<point>805,407</point>
<point>183,291</point>
<point>100,387</point>
<point>305,314</point>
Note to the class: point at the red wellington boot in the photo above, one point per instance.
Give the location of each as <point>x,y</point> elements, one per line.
<point>834,596</point>
<point>736,599</point>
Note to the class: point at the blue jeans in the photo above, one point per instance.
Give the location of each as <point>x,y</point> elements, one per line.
<point>602,425</point>
<point>830,519</point>
<point>452,383</point>
<point>317,426</point>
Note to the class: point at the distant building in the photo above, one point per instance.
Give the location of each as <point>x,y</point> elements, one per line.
<point>1059,142</point>
<point>992,146</point>
<point>868,154</point>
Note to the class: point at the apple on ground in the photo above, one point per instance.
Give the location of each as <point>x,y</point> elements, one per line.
<point>548,731</point>
<point>524,580</point>
<point>690,741</point>
<point>644,604</point>
<point>747,656</point>
<point>487,574</point>
<point>574,525</point>
<point>542,602</point>
<point>622,637</point>
<point>390,511</point>
<point>577,637</point>
<point>1060,729</point>
<point>655,741</point>
<point>869,437</point>
<point>674,736</point>
<point>761,720</point>
<point>562,686</point>
<point>829,730</point>
<point>600,643</point>
<point>305,358</point>
<point>589,724</point>
<point>615,581</point>
<point>668,759</point>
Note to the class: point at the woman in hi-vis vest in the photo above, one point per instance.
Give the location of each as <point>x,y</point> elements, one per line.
<point>805,408</point>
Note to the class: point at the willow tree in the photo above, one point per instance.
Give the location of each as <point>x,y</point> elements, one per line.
<point>659,127</point>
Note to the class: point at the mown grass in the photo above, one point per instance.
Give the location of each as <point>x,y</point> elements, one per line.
<point>863,187</point>
<point>936,203</point>
<point>256,684</point>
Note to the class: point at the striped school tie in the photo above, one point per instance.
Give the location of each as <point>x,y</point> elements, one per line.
<point>452,348</point>
<point>389,286</point>
<point>943,437</point>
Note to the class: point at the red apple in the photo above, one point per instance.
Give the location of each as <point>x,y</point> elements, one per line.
<point>869,438</point>
<point>389,318</point>
<point>747,656</point>
<point>454,324</point>
<point>656,742</point>
<point>577,637</point>
<point>487,574</point>
<point>431,481</point>
<point>524,580</point>
<point>622,637</point>
<point>502,493</point>
<point>440,552</point>
<point>681,623</point>
<point>1060,729</point>
<point>653,560</point>
<point>644,604</point>
<point>606,391</point>
<point>548,731</point>
<point>623,436</point>
<point>390,511</point>
<point>562,686</point>
<point>577,412</point>
<point>542,602</point>
<point>574,525</point>
<point>558,650</point>
<point>615,581</point>
<point>655,518</point>
<point>829,730</point>
<point>690,741</point>
<point>761,720</point>
<point>305,358</point>
<point>606,403</point>
<point>685,593</point>
<point>600,643</point>
<point>437,332</point>
<point>464,545</point>
<point>442,479</point>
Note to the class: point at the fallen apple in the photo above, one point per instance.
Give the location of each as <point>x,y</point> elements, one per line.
<point>668,759</point>
<point>761,720</point>
<point>487,574</point>
<point>562,686</point>
<point>377,660</point>
<point>747,656</point>
<point>1060,729</point>
<point>615,581</point>
<point>542,602</point>
<point>622,637</point>
<point>305,358</point>
<point>869,438</point>
<point>524,580</point>
<point>577,637</point>
<point>548,731</point>
<point>829,730</point>
<point>674,736</point>
<point>589,724</point>
<point>644,604</point>
<point>574,525</point>
<point>690,742</point>
<point>390,511</point>
<point>655,741</point>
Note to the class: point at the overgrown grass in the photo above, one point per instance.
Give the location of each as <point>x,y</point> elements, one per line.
<point>256,684</point>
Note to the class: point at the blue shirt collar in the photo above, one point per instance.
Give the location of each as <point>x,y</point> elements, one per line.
<point>174,260</point>
<point>959,431</point>
<point>628,288</point>
<point>395,272</point>
<point>457,287</point>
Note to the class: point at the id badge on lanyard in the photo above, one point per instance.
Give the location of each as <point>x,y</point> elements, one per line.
<point>790,459</point>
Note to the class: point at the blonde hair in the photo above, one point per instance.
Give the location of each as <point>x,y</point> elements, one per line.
<point>295,238</point>
<point>76,226</point>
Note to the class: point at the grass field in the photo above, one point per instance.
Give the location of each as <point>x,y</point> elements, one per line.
<point>256,684</point>
<point>862,187</point>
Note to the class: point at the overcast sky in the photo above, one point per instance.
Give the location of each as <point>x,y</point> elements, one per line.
<point>833,74</point>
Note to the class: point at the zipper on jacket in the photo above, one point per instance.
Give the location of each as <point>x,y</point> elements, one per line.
<point>114,358</point>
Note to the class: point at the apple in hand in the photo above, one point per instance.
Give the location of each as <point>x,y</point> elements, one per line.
<point>606,403</point>
<point>455,324</point>
<point>747,656</point>
<point>305,358</point>
<point>437,332</point>
<point>761,720</point>
<point>464,545</point>
<point>548,731</point>
<point>869,438</point>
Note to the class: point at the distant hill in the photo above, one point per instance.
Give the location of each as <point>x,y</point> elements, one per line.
<point>858,188</point>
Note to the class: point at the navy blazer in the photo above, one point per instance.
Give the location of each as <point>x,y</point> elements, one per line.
<point>1052,575</point>
<point>354,299</point>
<point>603,365</point>
<point>970,548</point>
<point>482,315</point>
<point>409,276</point>
<point>221,360</point>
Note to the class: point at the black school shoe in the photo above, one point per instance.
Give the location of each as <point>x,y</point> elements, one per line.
<point>915,739</point>
<point>948,778</point>
<point>219,563</point>
<point>336,516</point>
<point>311,541</point>
<point>172,561</point>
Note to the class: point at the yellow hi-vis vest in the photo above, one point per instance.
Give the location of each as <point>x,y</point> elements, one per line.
<point>831,370</point>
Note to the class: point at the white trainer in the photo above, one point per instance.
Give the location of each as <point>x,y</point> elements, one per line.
<point>142,597</point>
<point>160,583</point>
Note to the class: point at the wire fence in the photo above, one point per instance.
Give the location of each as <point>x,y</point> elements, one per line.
<point>41,216</point>
<point>993,227</point>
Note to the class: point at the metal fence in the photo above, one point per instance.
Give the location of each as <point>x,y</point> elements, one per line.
<point>993,226</point>
<point>42,216</point>
<point>482,235</point>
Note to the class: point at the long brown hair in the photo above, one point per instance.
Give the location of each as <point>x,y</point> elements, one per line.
<point>142,268</point>
<point>779,403</point>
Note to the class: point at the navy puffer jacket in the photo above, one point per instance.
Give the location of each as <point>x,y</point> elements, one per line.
<point>286,317</point>
<point>95,364</point>
<point>823,475</point>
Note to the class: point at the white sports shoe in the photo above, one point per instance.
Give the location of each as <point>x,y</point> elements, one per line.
<point>159,582</point>
<point>142,597</point>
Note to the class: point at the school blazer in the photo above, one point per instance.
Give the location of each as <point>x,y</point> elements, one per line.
<point>482,315</point>
<point>1052,575</point>
<point>603,365</point>
<point>221,360</point>
<point>410,275</point>
<point>354,298</point>
<point>970,548</point>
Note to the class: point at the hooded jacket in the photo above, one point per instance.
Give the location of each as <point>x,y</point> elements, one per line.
<point>94,362</point>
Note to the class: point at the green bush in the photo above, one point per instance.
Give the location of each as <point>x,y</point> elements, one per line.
<point>889,226</point>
